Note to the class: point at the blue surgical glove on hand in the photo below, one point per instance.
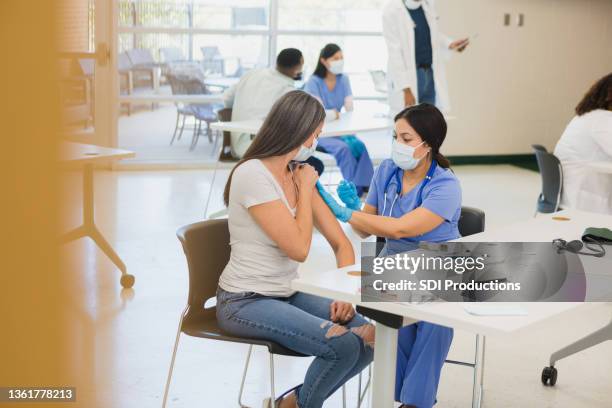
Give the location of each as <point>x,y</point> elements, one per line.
<point>348,194</point>
<point>342,213</point>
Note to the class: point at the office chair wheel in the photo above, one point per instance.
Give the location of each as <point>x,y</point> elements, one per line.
<point>549,376</point>
<point>127,280</point>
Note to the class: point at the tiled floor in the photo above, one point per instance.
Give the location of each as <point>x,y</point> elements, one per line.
<point>130,334</point>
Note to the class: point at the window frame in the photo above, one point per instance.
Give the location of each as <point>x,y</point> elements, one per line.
<point>272,32</point>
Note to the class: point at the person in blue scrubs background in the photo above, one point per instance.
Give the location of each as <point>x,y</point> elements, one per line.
<point>413,197</point>
<point>332,87</point>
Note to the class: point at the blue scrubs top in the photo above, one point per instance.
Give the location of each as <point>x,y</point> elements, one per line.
<point>441,195</point>
<point>333,99</point>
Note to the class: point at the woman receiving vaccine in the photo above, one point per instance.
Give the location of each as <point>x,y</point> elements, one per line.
<point>331,86</point>
<point>414,196</point>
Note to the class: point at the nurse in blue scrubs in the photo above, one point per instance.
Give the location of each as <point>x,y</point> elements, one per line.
<point>414,196</point>
<point>332,87</point>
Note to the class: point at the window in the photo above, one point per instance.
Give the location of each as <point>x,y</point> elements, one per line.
<point>338,15</point>
<point>208,14</point>
<point>248,34</point>
<point>223,39</point>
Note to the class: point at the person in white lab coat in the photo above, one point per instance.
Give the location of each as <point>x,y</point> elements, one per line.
<point>415,69</point>
<point>253,96</point>
<point>587,139</point>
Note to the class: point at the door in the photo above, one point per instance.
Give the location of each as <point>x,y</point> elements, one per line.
<point>87,91</point>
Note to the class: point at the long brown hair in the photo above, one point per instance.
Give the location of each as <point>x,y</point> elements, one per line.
<point>292,120</point>
<point>598,97</point>
<point>430,124</point>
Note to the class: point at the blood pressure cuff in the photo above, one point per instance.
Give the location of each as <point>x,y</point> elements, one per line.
<point>600,235</point>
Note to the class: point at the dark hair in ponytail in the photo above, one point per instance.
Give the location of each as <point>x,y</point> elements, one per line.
<point>429,123</point>
<point>328,51</point>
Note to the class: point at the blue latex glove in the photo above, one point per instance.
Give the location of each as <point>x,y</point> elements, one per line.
<point>342,213</point>
<point>355,145</point>
<point>348,194</point>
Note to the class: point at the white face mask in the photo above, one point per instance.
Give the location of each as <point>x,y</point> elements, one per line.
<point>305,152</point>
<point>403,155</point>
<point>336,66</point>
<point>413,4</point>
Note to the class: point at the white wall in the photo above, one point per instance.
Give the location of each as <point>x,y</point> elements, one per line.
<point>515,86</point>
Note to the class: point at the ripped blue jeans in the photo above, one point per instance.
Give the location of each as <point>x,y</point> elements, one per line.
<point>300,323</point>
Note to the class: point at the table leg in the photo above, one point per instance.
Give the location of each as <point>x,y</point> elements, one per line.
<point>156,79</point>
<point>593,339</point>
<point>77,233</point>
<point>156,83</point>
<point>479,360</point>
<point>89,229</point>
<point>385,355</point>
<point>103,244</point>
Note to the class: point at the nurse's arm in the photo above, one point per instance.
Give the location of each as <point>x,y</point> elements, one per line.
<point>328,225</point>
<point>416,222</point>
<point>368,209</point>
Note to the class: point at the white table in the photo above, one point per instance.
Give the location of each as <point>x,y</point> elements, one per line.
<point>85,156</point>
<point>348,123</point>
<point>337,284</point>
<point>157,98</point>
<point>601,167</point>
<point>221,82</point>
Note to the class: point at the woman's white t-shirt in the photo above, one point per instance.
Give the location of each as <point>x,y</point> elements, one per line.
<point>256,263</point>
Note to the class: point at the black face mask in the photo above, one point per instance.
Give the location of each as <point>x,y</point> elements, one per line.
<point>298,77</point>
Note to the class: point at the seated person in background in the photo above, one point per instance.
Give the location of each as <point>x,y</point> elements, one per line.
<point>587,139</point>
<point>329,85</point>
<point>253,96</point>
<point>273,206</point>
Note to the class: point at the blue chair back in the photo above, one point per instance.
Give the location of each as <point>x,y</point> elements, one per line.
<point>551,172</point>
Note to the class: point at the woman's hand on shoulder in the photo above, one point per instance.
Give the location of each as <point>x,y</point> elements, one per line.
<point>306,176</point>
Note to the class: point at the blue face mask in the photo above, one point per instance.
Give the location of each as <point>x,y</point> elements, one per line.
<point>403,155</point>
<point>305,152</point>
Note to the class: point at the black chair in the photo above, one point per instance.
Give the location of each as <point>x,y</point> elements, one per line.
<point>471,221</point>
<point>206,247</point>
<point>551,171</point>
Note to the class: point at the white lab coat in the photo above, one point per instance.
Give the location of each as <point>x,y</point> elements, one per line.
<point>587,138</point>
<point>398,30</point>
<point>252,98</point>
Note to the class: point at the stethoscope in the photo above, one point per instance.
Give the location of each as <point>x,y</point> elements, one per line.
<point>398,190</point>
